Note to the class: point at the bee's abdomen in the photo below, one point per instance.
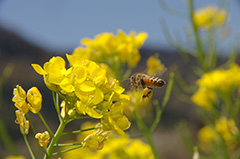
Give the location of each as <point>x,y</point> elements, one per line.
<point>154,82</point>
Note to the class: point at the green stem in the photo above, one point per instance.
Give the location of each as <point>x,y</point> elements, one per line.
<point>147,133</point>
<point>45,150</point>
<point>56,102</point>
<point>28,146</point>
<point>70,144</point>
<point>55,140</point>
<point>32,127</point>
<point>46,125</point>
<point>58,153</point>
<point>164,102</point>
<point>200,53</point>
<point>79,131</point>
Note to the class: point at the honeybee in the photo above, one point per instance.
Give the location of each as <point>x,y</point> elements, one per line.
<point>146,82</point>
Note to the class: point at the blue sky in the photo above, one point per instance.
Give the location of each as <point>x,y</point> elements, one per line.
<point>61,24</point>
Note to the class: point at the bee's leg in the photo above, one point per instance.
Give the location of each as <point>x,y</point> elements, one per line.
<point>147,92</point>
<point>131,86</point>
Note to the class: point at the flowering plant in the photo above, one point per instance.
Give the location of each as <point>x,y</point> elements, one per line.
<point>84,92</point>
<point>89,88</point>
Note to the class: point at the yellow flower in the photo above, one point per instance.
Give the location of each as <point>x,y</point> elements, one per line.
<point>103,43</point>
<point>116,148</point>
<point>22,121</point>
<point>224,130</point>
<point>209,17</point>
<point>137,149</point>
<point>34,98</point>
<point>110,49</point>
<point>20,99</point>
<point>204,97</point>
<point>43,138</point>
<point>87,90</point>
<point>221,80</point>
<point>54,72</point>
<point>206,136</point>
<point>128,47</point>
<point>113,119</point>
<point>154,65</point>
<point>84,53</point>
<point>227,129</point>
<point>95,138</point>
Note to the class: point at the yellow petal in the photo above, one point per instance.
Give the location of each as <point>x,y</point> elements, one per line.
<point>39,69</point>
<point>98,96</point>
<point>74,60</point>
<point>123,122</point>
<point>83,96</point>
<point>92,113</point>
<point>87,86</point>
<point>80,107</point>
<point>140,39</point>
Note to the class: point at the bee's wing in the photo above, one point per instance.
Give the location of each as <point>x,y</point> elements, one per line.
<point>126,82</point>
<point>160,73</point>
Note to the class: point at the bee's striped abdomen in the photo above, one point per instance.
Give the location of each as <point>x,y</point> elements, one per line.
<point>153,81</point>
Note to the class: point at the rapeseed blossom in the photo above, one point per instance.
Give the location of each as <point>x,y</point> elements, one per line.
<point>206,137</point>
<point>209,17</point>
<point>43,138</point>
<point>33,97</point>
<point>219,82</point>
<point>22,121</point>
<point>114,148</point>
<point>19,99</point>
<point>204,98</point>
<point>96,138</point>
<point>87,91</point>
<point>113,50</point>
<point>154,65</point>
<point>228,130</point>
<point>223,130</point>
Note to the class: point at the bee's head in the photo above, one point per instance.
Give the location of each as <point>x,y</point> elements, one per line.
<point>161,83</point>
<point>132,78</point>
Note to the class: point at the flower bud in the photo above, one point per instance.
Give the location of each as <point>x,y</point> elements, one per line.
<point>21,120</point>
<point>43,138</point>
<point>34,98</point>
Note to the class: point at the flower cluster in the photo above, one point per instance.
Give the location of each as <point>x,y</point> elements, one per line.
<point>219,82</point>
<point>218,93</point>
<point>154,65</point>
<point>108,48</point>
<point>34,104</point>
<point>85,90</point>
<point>224,129</point>
<point>210,17</point>
<point>96,138</point>
<point>114,148</point>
